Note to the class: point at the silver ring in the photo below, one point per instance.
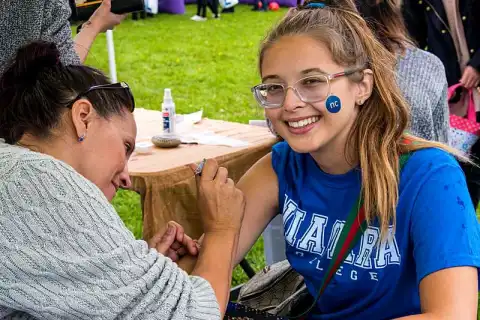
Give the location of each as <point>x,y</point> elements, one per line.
<point>199,169</point>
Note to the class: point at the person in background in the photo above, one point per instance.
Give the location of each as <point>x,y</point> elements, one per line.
<point>66,134</point>
<point>202,10</point>
<point>450,30</point>
<point>25,21</point>
<point>420,74</point>
<point>260,5</point>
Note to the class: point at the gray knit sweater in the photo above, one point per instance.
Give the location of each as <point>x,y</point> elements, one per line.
<point>421,78</point>
<point>65,253</point>
<point>22,21</point>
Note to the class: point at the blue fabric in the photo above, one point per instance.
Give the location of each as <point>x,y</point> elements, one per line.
<point>436,229</point>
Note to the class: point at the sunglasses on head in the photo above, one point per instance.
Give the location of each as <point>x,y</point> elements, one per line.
<point>109,86</point>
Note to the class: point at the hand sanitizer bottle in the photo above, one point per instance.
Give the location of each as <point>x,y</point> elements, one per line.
<point>168,112</point>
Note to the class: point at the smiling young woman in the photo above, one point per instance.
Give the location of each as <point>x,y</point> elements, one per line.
<point>329,90</point>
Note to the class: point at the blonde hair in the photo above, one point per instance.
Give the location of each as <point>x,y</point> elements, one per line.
<point>378,134</point>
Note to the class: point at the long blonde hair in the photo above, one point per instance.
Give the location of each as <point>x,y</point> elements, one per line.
<point>378,134</point>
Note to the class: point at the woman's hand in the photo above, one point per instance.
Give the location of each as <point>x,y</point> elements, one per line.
<point>173,242</point>
<point>222,207</point>
<point>103,19</point>
<point>470,78</point>
<point>220,203</point>
<point>100,21</point>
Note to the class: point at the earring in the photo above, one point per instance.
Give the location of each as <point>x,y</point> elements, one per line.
<point>360,103</point>
<point>82,137</point>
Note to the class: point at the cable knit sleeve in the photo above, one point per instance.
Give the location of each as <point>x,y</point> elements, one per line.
<point>65,253</point>
<point>56,28</point>
<point>441,115</point>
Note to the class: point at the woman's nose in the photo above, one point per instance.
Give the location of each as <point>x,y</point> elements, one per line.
<point>292,100</point>
<point>125,182</point>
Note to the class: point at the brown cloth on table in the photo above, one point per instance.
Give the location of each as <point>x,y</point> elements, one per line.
<point>166,183</point>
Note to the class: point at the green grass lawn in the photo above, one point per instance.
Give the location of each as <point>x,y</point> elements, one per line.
<point>209,65</point>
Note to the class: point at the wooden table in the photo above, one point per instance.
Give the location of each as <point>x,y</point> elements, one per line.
<point>166,183</point>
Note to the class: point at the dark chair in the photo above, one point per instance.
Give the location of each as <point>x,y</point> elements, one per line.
<point>247,268</point>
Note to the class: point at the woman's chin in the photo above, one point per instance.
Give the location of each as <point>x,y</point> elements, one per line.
<point>110,193</point>
<point>304,144</point>
<point>303,147</point>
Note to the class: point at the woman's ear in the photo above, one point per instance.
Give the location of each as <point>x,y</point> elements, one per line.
<point>365,87</point>
<point>82,114</point>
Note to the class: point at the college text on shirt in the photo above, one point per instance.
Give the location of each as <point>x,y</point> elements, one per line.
<point>370,255</point>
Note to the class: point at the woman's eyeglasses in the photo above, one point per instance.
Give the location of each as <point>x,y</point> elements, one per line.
<point>110,86</point>
<point>309,89</point>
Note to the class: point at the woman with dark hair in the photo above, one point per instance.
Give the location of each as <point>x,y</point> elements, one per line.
<point>420,75</point>
<point>66,134</point>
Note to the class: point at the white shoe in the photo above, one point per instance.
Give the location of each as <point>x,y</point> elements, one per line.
<point>198,18</point>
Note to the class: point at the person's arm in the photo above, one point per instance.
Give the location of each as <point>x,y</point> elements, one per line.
<point>446,243</point>
<point>215,263</point>
<point>209,264</point>
<point>56,28</point>
<point>100,21</point>
<point>85,38</point>
<point>441,111</point>
<point>260,187</point>
<point>449,294</point>
<point>222,208</point>
<point>414,17</point>
<point>471,74</point>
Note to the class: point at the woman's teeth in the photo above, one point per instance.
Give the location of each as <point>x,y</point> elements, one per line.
<point>303,123</point>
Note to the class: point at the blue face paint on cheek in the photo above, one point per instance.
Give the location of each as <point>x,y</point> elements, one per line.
<point>333,104</point>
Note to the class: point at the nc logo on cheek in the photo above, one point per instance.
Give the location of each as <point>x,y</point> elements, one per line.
<point>333,104</point>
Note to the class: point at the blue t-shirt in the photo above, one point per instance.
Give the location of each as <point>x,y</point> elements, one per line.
<point>436,228</point>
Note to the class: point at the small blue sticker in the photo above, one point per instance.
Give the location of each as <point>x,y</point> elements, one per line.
<point>333,104</point>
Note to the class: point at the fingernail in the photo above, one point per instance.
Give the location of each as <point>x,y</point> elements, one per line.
<point>169,230</point>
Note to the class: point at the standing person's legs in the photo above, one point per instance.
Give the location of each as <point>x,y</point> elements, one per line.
<point>213,5</point>
<point>202,8</point>
<point>199,6</point>
<point>201,11</point>
<point>264,5</point>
